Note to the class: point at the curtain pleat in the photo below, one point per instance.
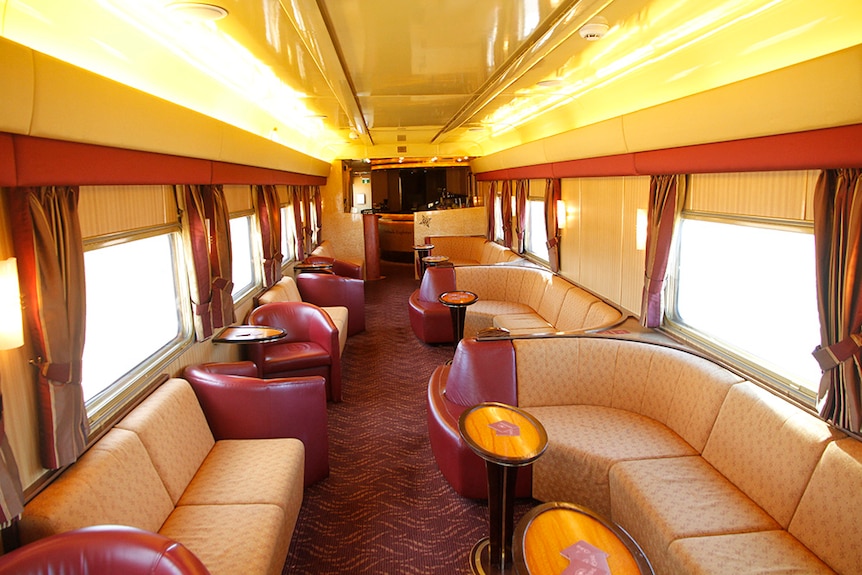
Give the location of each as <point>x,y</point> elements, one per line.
<point>666,199</point>
<point>490,203</point>
<point>269,217</point>
<point>506,208</point>
<point>522,190</point>
<point>197,252</point>
<point>11,493</point>
<point>299,239</point>
<point>314,193</point>
<point>47,239</point>
<point>837,241</point>
<point>553,193</point>
<point>221,256</point>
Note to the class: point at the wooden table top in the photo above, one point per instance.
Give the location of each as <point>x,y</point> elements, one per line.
<point>457,297</point>
<point>503,434</point>
<point>553,536</point>
<point>249,334</point>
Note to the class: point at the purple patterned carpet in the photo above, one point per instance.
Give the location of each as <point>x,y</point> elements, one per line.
<point>386,509</point>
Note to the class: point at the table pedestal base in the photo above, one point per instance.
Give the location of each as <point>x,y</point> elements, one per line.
<point>480,560</point>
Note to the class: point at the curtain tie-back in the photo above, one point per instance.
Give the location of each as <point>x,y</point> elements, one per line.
<point>222,284</point>
<point>834,355</point>
<point>551,243</point>
<point>63,373</point>
<point>202,308</point>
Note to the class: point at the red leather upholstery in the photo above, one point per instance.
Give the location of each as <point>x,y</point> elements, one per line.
<point>339,267</point>
<point>310,347</point>
<point>480,372</point>
<point>103,550</point>
<point>239,405</point>
<point>331,290</point>
<point>431,320</point>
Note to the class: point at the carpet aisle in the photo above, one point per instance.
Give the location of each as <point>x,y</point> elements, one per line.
<point>386,509</point>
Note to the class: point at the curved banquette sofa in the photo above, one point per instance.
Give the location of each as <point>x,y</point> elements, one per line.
<point>345,267</point>
<point>709,472</point>
<point>220,471</point>
<point>471,250</point>
<point>518,298</point>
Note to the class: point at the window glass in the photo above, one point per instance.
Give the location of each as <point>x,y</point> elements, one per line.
<point>498,218</point>
<point>132,311</point>
<point>242,256</point>
<point>536,233</point>
<point>288,234</point>
<point>751,290</point>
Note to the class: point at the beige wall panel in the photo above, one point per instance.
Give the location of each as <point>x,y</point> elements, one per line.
<point>601,235</point>
<point>459,222</point>
<point>16,87</point>
<point>239,198</point>
<point>601,139</point>
<point>107,210</point>
<point>635,197</point>
<point>781,195</point>
<point>570,240</point>
<point>825,92</point>
<point>344,230</point>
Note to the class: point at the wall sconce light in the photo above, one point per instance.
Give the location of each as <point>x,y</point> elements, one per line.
<point>360,199</point>
<point>11,324</point>
<point>561,214</point>
<point>641,229</point>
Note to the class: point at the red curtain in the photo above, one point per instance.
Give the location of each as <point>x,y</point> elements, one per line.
<point>208,248</point>
<point>506,208</point>
<point>522,190</point>
<point>553,193</point>
<point>314,193</point>
<point>299,234</point>
<point>838,241</point>
<point>47,238</point>
<point>269,218</point>
<point>490,203</point>
<point>666,199</point>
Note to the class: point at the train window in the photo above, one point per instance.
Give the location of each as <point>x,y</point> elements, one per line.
<point>134,321</point>
<point>536,236</point>
<point>748,293</point>
<point>498,218</point>
<point>242,254</point>
<point>288,235</point>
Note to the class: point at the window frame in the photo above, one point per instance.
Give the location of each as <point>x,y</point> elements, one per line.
<point>256,265</point>
<point>111,402</point>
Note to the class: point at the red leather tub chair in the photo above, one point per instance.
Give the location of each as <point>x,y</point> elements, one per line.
<point>480,372</point>
<point>431,320</point>
<point>103,550</point>
<point>332,290</point>
<point>239,405</point>
<point>309,348</point>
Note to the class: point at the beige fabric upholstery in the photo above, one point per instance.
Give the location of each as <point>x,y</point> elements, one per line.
<point>766,447</point>
<point>285,290</point>
<point>233,503</point>
<point>827,519</point>
<point>660,500</point>
<point>472,250</point>
<point>775,552</point>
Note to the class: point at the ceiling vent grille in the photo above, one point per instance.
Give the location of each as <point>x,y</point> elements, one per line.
<point>401,137</point>
<point>402,149</point>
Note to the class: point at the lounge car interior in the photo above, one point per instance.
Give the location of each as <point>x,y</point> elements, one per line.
<point>514,403</point>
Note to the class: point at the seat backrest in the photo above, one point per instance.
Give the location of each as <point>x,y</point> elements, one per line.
<point>284,290</point>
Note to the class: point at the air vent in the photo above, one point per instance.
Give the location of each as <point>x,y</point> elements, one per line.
<point>401,137</point>
<point>401,149</point>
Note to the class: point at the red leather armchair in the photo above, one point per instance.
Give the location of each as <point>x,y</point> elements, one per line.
<point>339,267</point>
<point>309,348</point>
<point>431,320</point>
<point>326,290</point>
<point>239,405</point>
<point>103,550</point>
<point>479,372</point>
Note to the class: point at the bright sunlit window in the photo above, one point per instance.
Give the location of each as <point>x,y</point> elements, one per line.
<point>498,218</point>
<point>288,235</point>
<point>132,310</point>
<point>537,234</point>
<point>751,291</point>
<point>242,256</point>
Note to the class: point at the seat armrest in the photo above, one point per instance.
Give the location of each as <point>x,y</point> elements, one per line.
<point>104,549</point>
<point>242,407</point>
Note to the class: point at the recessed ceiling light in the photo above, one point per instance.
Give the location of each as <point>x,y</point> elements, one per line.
<point>197,11</point>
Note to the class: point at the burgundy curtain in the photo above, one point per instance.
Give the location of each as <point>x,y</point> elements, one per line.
<point>221,255</point>
<point>314,192</point>
<point>47,238</point>
<point>666,199</point>
<point>838,241</point>
<point>269,218</point>
<point>522,190</point>
<point>197,252</point>
<point>553,193</point>
<point>506,208</point>
<point>491,202</point>
<point>299,230</point>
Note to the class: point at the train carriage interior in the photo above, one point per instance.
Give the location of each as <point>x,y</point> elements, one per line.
<point>389,286</point>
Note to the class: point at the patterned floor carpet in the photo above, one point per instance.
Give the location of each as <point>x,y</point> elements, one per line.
<point>386,509</point>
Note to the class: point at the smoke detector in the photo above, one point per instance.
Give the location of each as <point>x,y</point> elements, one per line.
<point>594,30</point>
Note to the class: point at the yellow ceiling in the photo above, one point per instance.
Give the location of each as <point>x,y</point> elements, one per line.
<point>389,78</point>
